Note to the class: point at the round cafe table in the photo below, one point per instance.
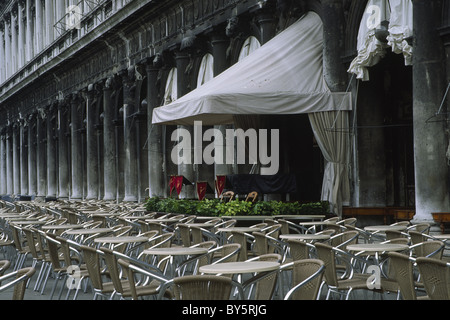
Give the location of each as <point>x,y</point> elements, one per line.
<point>382,228</point>
<point>372,248</point>
<point>122,239</point>
<point>82,232</point>
<point>375,249</point>
<point>176,255</point>
<point>240,229</point>
<point>29,222</point>
<point>305,237</point>
<point>442,237</point>
<point>239,267</point>
<point>61,226</point>
<point>175,251</point>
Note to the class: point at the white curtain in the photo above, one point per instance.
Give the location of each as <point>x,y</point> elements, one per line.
<point>370,49</point>
<point>206,71</point>
<point>400,28</point>
<point>331,130</point>
<point>171,92</point>
<point>399,13</point>
<point>250,45</point>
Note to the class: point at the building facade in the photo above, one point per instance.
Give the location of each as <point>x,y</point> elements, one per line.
<point>79,81</point>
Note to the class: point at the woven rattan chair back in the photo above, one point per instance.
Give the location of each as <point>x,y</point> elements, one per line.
<point>241,238</point>
<point>402,271</point>
<point>435,275</point>
<point>326,254</point>
<point>302,270</point>
<point>113,269</point>
<point>202,287</point>
<point>92,260</point>
<point>298,249</point>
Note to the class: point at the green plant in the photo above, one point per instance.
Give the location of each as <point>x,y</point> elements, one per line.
<point>216,208</point>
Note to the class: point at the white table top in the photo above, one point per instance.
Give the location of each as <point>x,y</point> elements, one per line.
<point>106,214</point>
<point>377,247</point>
<point>124,239</point>
<point>241,229</point>
<point>13,215</point>
<point>317,223</point>
<point>299,217</point>
<point>88,231</point>
<point>29,222</point>
<point>175,251</point>
<point>441,236</point>
<point>138,217</point>
<point>382,228</point>
<point>162,220</point>
<point>200,224</point>
<point>301,236</point>
<point>239,267</point>
<point>62,226</point>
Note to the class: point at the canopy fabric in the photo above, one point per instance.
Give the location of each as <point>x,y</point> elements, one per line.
<point>399,13</point>
<point>284,76</point>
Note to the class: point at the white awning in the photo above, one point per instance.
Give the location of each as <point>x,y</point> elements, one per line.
<point>282,77</point>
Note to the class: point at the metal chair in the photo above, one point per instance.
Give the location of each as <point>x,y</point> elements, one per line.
<point>19,283</point>
<point>435,275</point>
<point>307,277</point>
<point>204,287</point>
<point>402,266</point>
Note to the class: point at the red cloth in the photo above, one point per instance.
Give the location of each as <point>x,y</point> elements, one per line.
<point>178,184</point>
<point>220,184</point>
<point>201,190</point>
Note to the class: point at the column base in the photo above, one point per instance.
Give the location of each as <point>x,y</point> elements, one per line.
<point>130,199</point>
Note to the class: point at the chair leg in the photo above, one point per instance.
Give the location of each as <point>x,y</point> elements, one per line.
<point>49,268</point>
<point>42,271</point>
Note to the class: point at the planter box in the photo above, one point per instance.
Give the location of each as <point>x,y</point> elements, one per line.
<point>388,213</point>
<point>442,218</point>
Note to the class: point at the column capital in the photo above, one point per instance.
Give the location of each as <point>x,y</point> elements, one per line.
<point>128,75</point>
<point>75,97</point>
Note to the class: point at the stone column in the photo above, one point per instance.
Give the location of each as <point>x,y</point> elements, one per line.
<point>21,39</point>
<point>29,45</point>
<point>9,163</point>
<point>266,19</point>
<point>130,145</point>
<point>430,140</point>
<point>24,190</point>
<point>333,37</point>
<point>91,146</point>
<point>49,22</point>
<point>141,143</point>
<point>41,151</point>
<point>2,57</point>
<point>38,27</point>
<point>220,45</point>
<point>63,150</point>
<point>14,51</point>
<point>109,143</point>
<point>186,170</point>
<point>16,158</point>
<point>51,153</point>
<point>3,182</point>
<point>76,147</point>
<point>7,49</point>
<point>155,136</point>
<point>32,141</point>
